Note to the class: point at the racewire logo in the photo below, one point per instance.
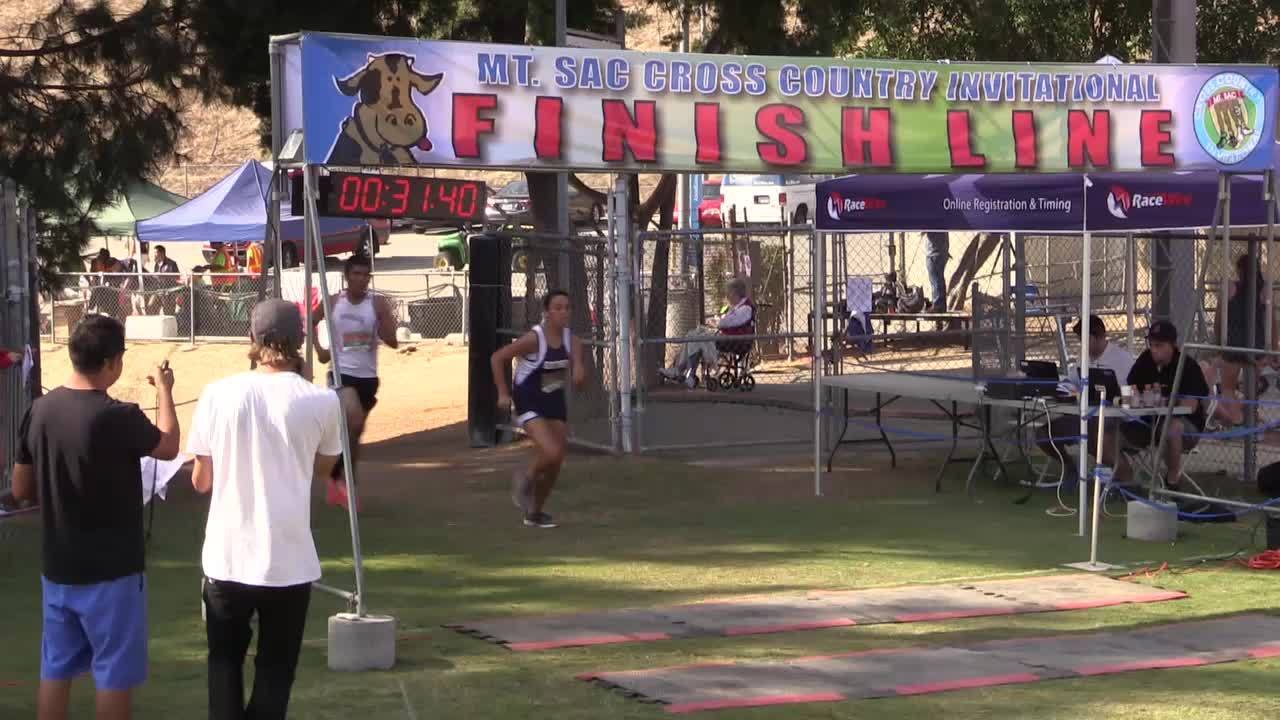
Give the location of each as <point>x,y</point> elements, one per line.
<point>839,206</point>
<point>1122,203</point>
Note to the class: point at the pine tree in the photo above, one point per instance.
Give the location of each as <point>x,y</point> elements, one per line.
<point>90,100</point>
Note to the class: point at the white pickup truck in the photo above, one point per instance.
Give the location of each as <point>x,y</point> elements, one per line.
<point>761,199</point>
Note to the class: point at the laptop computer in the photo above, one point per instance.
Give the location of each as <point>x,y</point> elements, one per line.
<point>1104,378</point>
<point>1038,379</point>
<point>1042,378</point>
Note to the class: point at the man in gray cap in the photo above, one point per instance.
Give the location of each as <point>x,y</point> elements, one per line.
<point>259,438</point>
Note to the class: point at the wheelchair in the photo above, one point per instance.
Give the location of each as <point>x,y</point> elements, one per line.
<point>733,370</point>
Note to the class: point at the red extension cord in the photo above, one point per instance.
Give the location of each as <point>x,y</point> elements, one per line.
<point>1269,560</point>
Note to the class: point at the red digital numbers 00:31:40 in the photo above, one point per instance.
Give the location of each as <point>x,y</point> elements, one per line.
<point>399,196</point>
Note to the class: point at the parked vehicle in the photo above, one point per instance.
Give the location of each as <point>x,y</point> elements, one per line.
<point>451,249</point>
<point>510,205</point>
<point>762,199</point>
<point>709,208</point>
<point>339,244</point>
<point>452,252</point>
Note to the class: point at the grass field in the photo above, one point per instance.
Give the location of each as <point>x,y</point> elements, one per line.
<point>444,544</point>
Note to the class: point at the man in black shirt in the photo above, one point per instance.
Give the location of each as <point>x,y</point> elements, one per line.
<point>1157,367</point>
<point>80,450</point>
<point>165,287</point>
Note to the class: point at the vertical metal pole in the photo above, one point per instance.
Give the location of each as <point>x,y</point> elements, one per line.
<point>622,230</point>
<point>1224,286</point>
<point>310,239</point>
<point>466,303</point>
<point>191,308</point>
<point>1020,297</point>
<point>1268,196</point>
<point>563,227</point>
<point>1130,286</point>
<point>279,177</point>
<point>791,293</point>
<point>818,277</point>
<point>313,223</point>
<point>1251,292</point>
<point>1005,289</point>
<point>613,319</point>
<point>1086,288</point>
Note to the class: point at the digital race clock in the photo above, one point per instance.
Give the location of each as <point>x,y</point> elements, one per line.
<point>344,194</point>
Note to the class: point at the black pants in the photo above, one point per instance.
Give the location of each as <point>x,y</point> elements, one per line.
<point>367,390</point>
<point>282,616</point>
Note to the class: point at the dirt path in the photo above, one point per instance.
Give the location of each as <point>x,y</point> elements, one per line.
<point>424,386</point>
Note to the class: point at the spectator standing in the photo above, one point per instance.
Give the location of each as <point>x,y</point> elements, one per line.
<point>79,456</point>
<point>162,264</point>
<point>259,438</point>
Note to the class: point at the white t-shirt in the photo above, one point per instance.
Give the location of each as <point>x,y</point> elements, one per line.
<point>1114,358</point>
<point>263,432</point>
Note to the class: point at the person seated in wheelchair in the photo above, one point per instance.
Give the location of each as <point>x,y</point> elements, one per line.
<point>738,319</point>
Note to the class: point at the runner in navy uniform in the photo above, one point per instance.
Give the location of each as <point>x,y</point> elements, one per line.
<point>548,357</point>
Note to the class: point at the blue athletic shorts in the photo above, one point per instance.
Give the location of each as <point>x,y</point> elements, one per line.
<point>100,627</point>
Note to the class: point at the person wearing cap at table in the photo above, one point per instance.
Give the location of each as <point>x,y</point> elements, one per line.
<point>1064,431</point>
<point>259,438</point>
<point>1156,369</point>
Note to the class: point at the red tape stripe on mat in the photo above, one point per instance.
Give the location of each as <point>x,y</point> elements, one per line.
<point>925,688</point>
<point>762,701</point>
<point>1090,604</point>
<point>1265,651</point>
<point>792,627</point>
<point>587,641</point>
<point>956,614</point>
<point>597,674</point>
<point>1142,665</point>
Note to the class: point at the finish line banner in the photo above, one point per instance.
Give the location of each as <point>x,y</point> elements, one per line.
<point>385,101</point>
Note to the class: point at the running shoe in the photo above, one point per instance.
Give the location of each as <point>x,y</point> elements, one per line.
<point>539,520</point>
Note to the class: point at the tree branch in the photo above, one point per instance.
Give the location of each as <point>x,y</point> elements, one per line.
<point>125,24</point>
<point>585,189</point>
<point>10,83</point>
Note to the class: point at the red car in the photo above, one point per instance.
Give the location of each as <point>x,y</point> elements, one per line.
<point>709,208</point>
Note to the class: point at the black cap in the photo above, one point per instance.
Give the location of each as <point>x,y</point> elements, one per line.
<point>277,322</point>
<point>1096,326</point>
<point>1163,330</point>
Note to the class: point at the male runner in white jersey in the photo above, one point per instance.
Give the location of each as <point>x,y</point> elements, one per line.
<point>360,320</point>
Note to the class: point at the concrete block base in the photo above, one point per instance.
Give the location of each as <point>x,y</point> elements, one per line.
<point>151,327</point>
<point>1152,524</point>
<point>361,643</point>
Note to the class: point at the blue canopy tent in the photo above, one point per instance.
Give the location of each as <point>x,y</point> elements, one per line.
<point>235,211</point>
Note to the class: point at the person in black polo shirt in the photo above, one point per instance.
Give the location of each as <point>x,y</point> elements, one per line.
<point>80,451</point>
<point>1157,367</point>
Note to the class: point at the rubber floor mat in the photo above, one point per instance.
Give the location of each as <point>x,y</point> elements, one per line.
<point>811,611</point>
<point>916,671</point>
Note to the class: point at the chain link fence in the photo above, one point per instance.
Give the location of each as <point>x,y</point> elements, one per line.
<point>20,383</point>
<point>695,390</point>
<point>581,265</point>
<point>217,306</point>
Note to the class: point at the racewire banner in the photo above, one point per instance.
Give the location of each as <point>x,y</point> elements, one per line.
<point>386,101</point>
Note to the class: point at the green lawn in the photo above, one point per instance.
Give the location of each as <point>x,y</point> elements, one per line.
<point>448,548</point>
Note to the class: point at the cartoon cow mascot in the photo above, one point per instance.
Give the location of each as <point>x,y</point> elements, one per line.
<point>385,122</point>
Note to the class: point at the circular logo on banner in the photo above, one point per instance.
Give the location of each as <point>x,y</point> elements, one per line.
<point>1228,117</point>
